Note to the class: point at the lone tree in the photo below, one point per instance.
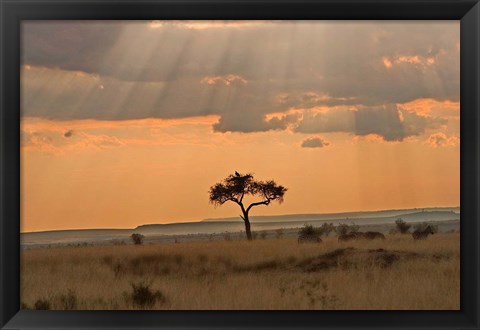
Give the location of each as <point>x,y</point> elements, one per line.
<point>236,186</point>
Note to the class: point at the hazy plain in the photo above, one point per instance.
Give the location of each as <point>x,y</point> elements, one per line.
<point>447,218</point>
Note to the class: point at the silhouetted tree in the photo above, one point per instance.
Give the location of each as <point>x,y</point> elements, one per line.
<point>236,186</point>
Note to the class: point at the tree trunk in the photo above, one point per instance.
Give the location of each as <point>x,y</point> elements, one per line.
<point>247,226</point>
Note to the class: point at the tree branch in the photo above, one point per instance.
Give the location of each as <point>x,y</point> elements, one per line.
<point>243,194</point>
<point>266,202</point>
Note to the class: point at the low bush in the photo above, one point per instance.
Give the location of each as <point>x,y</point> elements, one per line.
<point>402,226</point>
<point>137,238</point>
<point>144,297</point>
<point>308,230</point>
<point>42,305</point>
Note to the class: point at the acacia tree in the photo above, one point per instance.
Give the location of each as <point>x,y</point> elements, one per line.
<point>237,186</point>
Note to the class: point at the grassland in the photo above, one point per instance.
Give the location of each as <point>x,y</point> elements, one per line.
<point>395,274</point>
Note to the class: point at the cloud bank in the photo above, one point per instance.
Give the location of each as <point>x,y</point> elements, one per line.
<point>364,76</point>
<point>388,122</point>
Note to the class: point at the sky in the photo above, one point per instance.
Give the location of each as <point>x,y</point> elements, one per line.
<point>129,123</point>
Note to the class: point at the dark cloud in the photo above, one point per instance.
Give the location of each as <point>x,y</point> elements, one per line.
<point>388,122</point>
<point>298,51</point>
<point>248,122</point>
<point>126,51</point>
<point>68,133</point>
<point>241,74</point>
<point>67,45</point>
<point>314,142</point>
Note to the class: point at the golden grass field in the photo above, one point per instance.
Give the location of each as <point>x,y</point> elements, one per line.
<point>276,274</point>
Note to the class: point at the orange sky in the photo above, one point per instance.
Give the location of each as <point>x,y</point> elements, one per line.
<point>107,144</point>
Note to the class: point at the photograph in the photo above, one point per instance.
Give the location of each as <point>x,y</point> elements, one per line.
<point>240,165</point>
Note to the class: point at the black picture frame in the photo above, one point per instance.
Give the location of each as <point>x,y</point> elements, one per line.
<point>14,11</point>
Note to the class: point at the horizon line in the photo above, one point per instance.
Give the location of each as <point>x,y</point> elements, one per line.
<point>198,221</point>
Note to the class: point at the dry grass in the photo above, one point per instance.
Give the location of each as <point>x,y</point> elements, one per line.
<point>394,274</point>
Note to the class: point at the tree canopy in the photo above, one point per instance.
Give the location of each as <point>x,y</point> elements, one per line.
<point>236,187</point>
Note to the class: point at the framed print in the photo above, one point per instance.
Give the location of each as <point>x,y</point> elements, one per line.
<point>239,164</point>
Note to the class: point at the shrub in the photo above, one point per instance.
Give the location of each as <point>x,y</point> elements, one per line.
<point>402,226</point>
<point>137,238</point>
<point>227,236</point>
<point>42,305</point>
<point>263,234</point>
<point>308,231</point>
<point>142,296</point>
<point>343,228</point>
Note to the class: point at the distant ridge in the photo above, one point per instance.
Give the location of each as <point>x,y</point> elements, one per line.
<point>308,217</point>
<point>337,216</point>
<point>290,221</point>
<point>235,224</point>
<point>276,218</point>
